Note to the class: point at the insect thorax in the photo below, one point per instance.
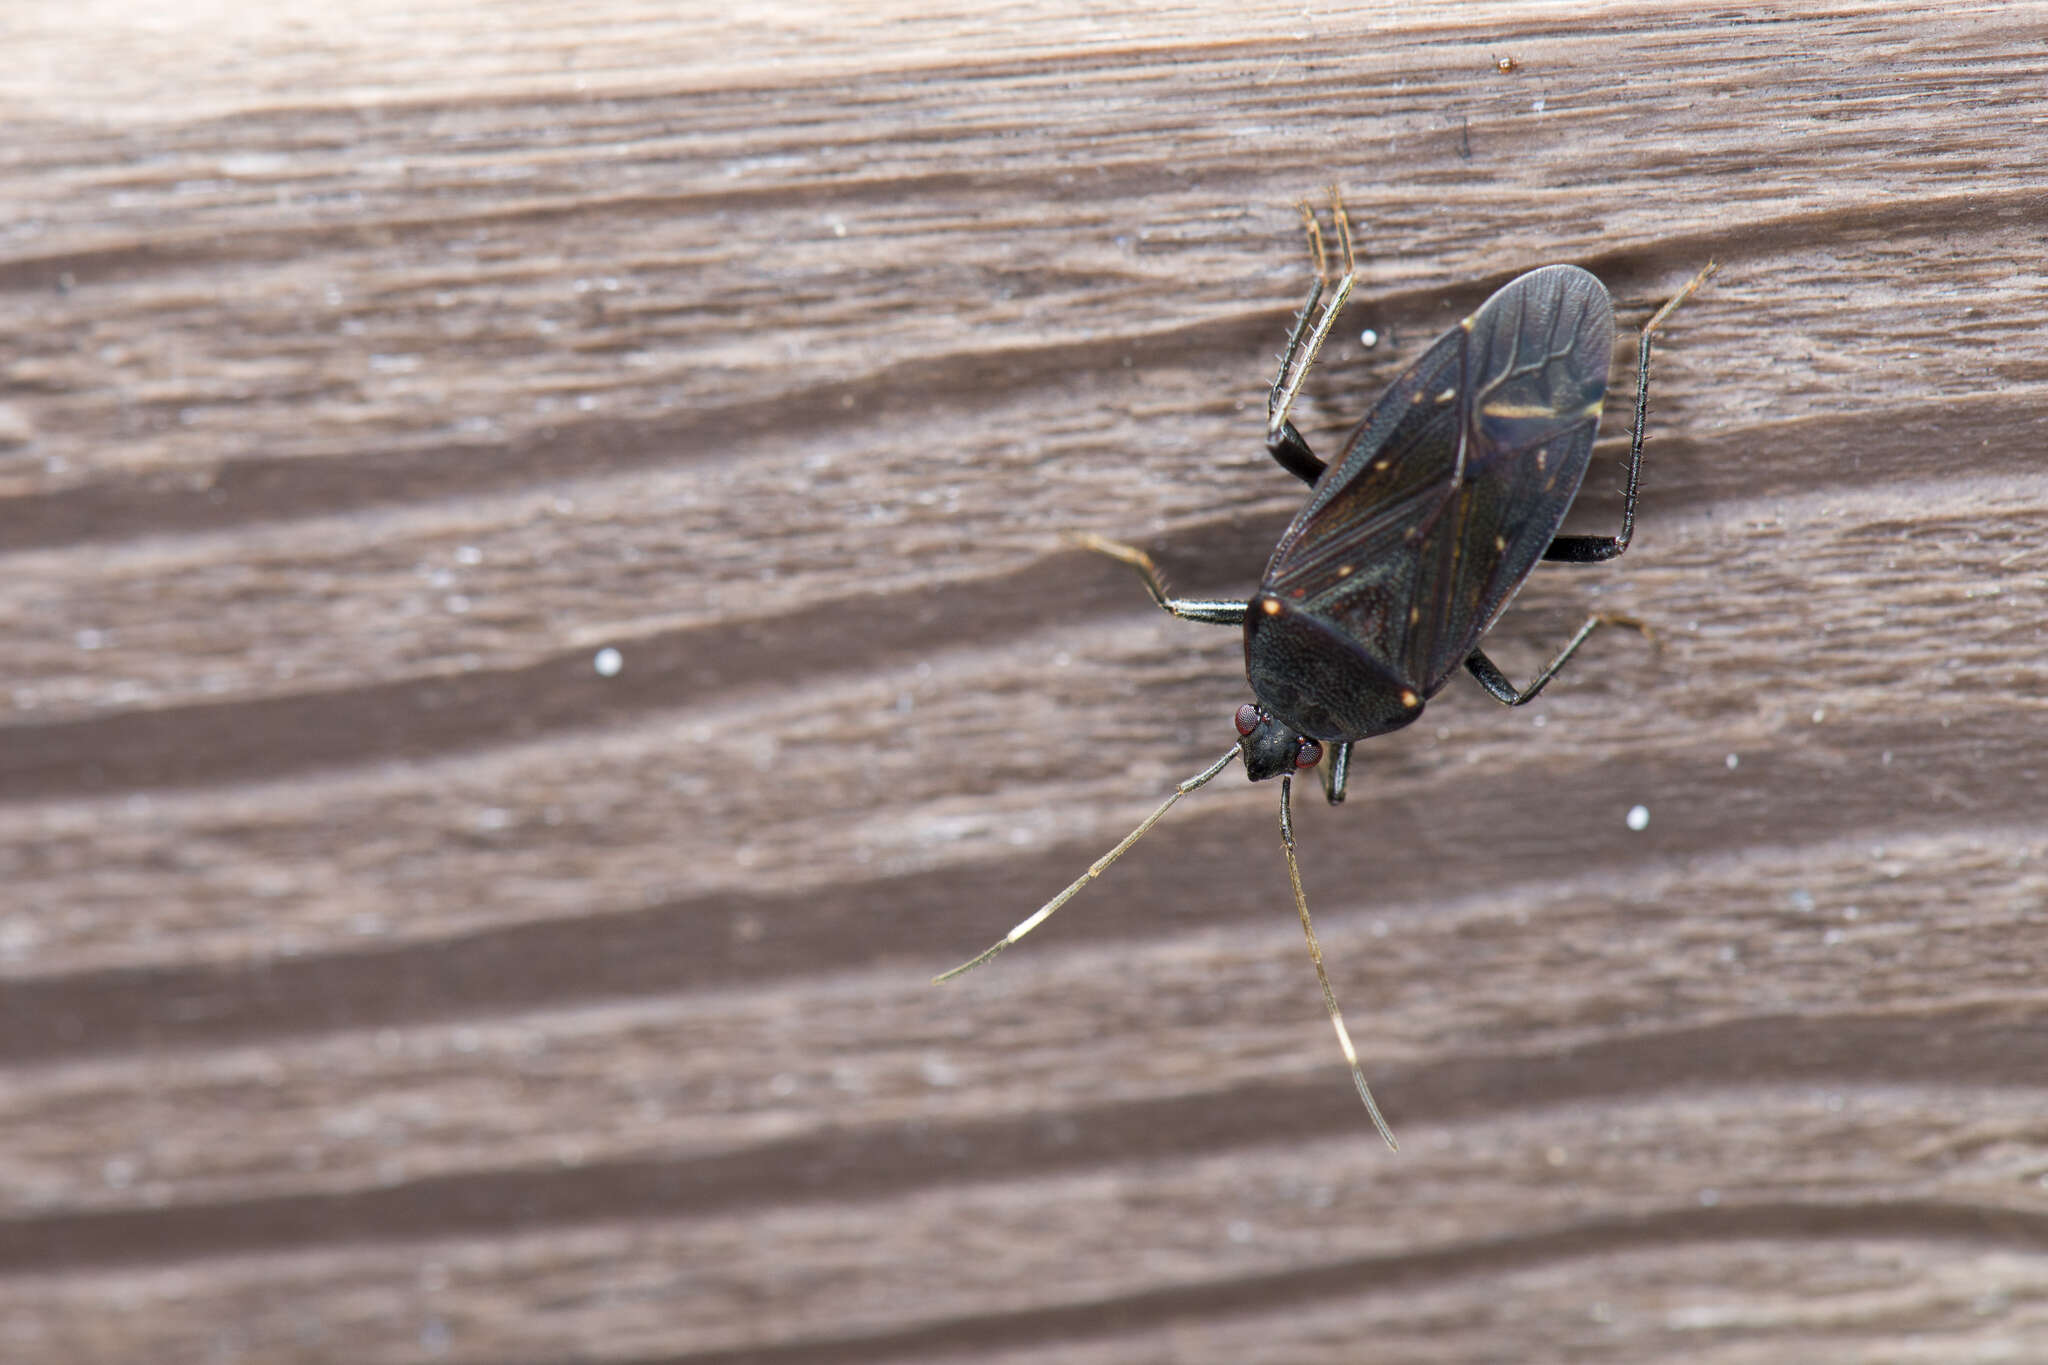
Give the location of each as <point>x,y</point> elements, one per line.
<point>1318,680</point>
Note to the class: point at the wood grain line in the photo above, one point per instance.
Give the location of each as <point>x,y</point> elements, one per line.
<point>420,717</point>
<point>1976,1227</point>
<point>1194,863</point>
<point>252,738</point>
<point>241,489</point>
<point>1982,1043</point>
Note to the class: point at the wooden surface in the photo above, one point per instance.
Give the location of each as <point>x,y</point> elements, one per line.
<point>383,984</point>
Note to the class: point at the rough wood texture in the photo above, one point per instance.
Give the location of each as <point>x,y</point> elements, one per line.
<point>383,984</point>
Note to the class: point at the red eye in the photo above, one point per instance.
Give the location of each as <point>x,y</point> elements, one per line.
<point>1308,755</point>
<point>1247,718</point>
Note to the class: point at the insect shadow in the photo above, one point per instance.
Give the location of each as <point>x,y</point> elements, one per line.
<point>1411,543</point>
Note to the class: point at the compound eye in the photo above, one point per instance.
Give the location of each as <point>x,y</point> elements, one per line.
<point>1247,718</point>
<point>1308,755</point>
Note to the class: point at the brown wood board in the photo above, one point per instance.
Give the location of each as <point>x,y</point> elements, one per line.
<point>381,983</point>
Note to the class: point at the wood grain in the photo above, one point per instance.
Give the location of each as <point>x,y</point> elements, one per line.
<point>379,982</point>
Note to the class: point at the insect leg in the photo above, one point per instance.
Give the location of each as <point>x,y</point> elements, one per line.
<point>1284,442</point>
<point>1335,772</point>
<point>1496,682</point>
<point>1595,549</point>
<point>1287,447</point>
<point>1215,613</point>
<point>1305,343</point>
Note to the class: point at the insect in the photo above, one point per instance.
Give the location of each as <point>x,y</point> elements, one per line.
<point>1411,543</point>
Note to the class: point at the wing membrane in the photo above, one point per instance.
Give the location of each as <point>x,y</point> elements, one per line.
<point>1351,554</point>
<point>1453,485</point>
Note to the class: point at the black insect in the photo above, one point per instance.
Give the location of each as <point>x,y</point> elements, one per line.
<point>1413,542</point>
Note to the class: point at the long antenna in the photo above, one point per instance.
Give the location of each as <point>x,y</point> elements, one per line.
<point>1044,912</point>
<point>1315,953</point>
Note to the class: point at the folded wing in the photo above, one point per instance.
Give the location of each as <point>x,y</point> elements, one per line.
<point>1451,488</point>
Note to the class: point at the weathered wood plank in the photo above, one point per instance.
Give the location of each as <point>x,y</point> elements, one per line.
<point>379,982</point>
<point>1837,952</point>
<point>1316,1227</point>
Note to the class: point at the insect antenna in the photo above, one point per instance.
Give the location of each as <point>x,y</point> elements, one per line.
<point>1044,912</point>
<point>1315,953</point>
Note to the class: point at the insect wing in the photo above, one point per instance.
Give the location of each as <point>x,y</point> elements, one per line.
<point>1536,359</point>
<point>1350,555</point>
<point>1452,487</point>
